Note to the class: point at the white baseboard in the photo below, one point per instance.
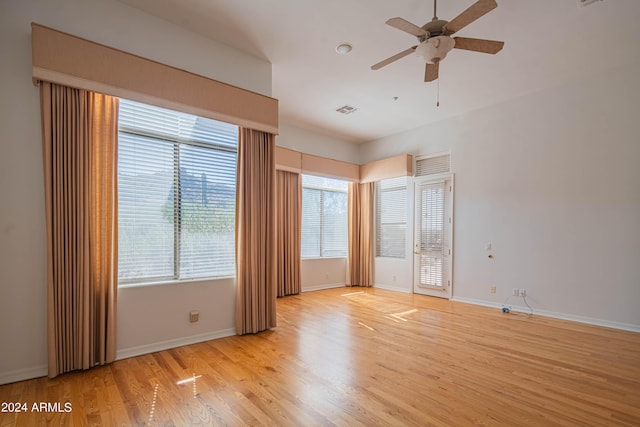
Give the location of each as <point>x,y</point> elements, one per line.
<point>392,288</point>
<point>41,371</point>
<point>125,353</point>
<point>562,316</point>
<point>23,374</point>
<point>321,287</point>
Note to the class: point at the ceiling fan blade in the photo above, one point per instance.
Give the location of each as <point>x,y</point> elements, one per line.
<point>393,58</point>
<point>475,11</point>
<point>431,72</point>
<point>406,26</point>
<point>478,45</point>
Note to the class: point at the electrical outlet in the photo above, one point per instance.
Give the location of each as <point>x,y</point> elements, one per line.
<point>515,292</point>
<point>194,316</point>
<point>492,289</point>
<point>522,292</point>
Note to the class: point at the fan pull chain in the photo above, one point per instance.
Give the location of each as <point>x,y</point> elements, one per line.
<point>438,93</point>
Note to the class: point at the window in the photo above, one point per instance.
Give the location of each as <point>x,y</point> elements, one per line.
<point>433,164</point>
<point>391,217</point>
<point>324,217</point>
<point>176,195</point>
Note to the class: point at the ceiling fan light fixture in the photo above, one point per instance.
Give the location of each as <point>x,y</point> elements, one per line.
<point>344,48</point>
<point>435,49</point>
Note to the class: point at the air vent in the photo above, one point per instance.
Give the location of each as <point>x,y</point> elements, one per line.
<point>586,2</point>
<point>431,165</point>
<point>346,109</point>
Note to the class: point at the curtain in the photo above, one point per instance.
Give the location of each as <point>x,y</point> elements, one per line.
<point>255,232</point>
<point>288,231</point>
<point>360,212</point>
<point>79,130</point>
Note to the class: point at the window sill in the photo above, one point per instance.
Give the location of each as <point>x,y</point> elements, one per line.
<point>174,282</point>
<point>324,257</point>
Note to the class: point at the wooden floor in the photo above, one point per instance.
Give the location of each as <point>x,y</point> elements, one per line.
<point>363,357</point>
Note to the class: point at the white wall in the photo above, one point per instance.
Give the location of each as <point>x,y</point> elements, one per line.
<point>323,273</point>
<point>394,274</point>
<point>153,318</point>
<point>310,142</point>
<point>149,316</point>
<point>552,181</point>
<point>319,273</point>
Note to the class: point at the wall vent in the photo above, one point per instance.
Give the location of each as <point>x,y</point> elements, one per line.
<point>586,2</point>
<point>346,109</point>
<point>432,165</point>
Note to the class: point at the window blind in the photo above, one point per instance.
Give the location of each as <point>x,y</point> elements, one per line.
<point>176,195</point>
<point>324,217</point>
<point>431,165</point>
<point>391,217</point>
<point>431,234</point>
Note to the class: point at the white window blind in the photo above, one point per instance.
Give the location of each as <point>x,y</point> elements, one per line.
<point>391,217</point>
<point>176,195</point>
<point>431,165</point>
<point>431,234</point>
<point>324,217</point>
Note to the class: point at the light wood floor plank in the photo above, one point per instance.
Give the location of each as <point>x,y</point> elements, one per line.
<point>363,357</point>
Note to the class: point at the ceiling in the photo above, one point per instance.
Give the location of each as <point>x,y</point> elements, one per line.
<point>547,43</point>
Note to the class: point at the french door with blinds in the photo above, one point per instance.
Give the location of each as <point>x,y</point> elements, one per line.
<point>433,252</point>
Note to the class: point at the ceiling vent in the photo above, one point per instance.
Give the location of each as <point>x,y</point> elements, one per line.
<point>586,2</point>
<point>346,109</point>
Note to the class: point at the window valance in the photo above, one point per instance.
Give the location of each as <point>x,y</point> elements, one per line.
<point>62,58</point>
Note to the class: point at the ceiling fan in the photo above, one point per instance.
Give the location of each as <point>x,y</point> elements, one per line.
<point>435,41</point>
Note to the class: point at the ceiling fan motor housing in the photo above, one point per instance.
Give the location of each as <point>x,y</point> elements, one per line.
<point>435,49</point>
<point>433,28</point>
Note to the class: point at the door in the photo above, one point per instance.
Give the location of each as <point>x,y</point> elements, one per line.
<point>433,252</point>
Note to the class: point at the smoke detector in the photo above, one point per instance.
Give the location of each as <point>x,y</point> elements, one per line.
<point>344,48</point>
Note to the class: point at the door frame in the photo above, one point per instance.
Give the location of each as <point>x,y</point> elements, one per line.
<point>447,291</point>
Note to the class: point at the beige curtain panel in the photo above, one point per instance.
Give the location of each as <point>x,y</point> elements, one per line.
<point>360,212</point>
<point>289,229</point>
<point>79,131</point>
<point>255,232</point>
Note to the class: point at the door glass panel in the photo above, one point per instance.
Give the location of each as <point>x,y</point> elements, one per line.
<point>433,237</point>
<point>432,234</point>
<point>431,270</point>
